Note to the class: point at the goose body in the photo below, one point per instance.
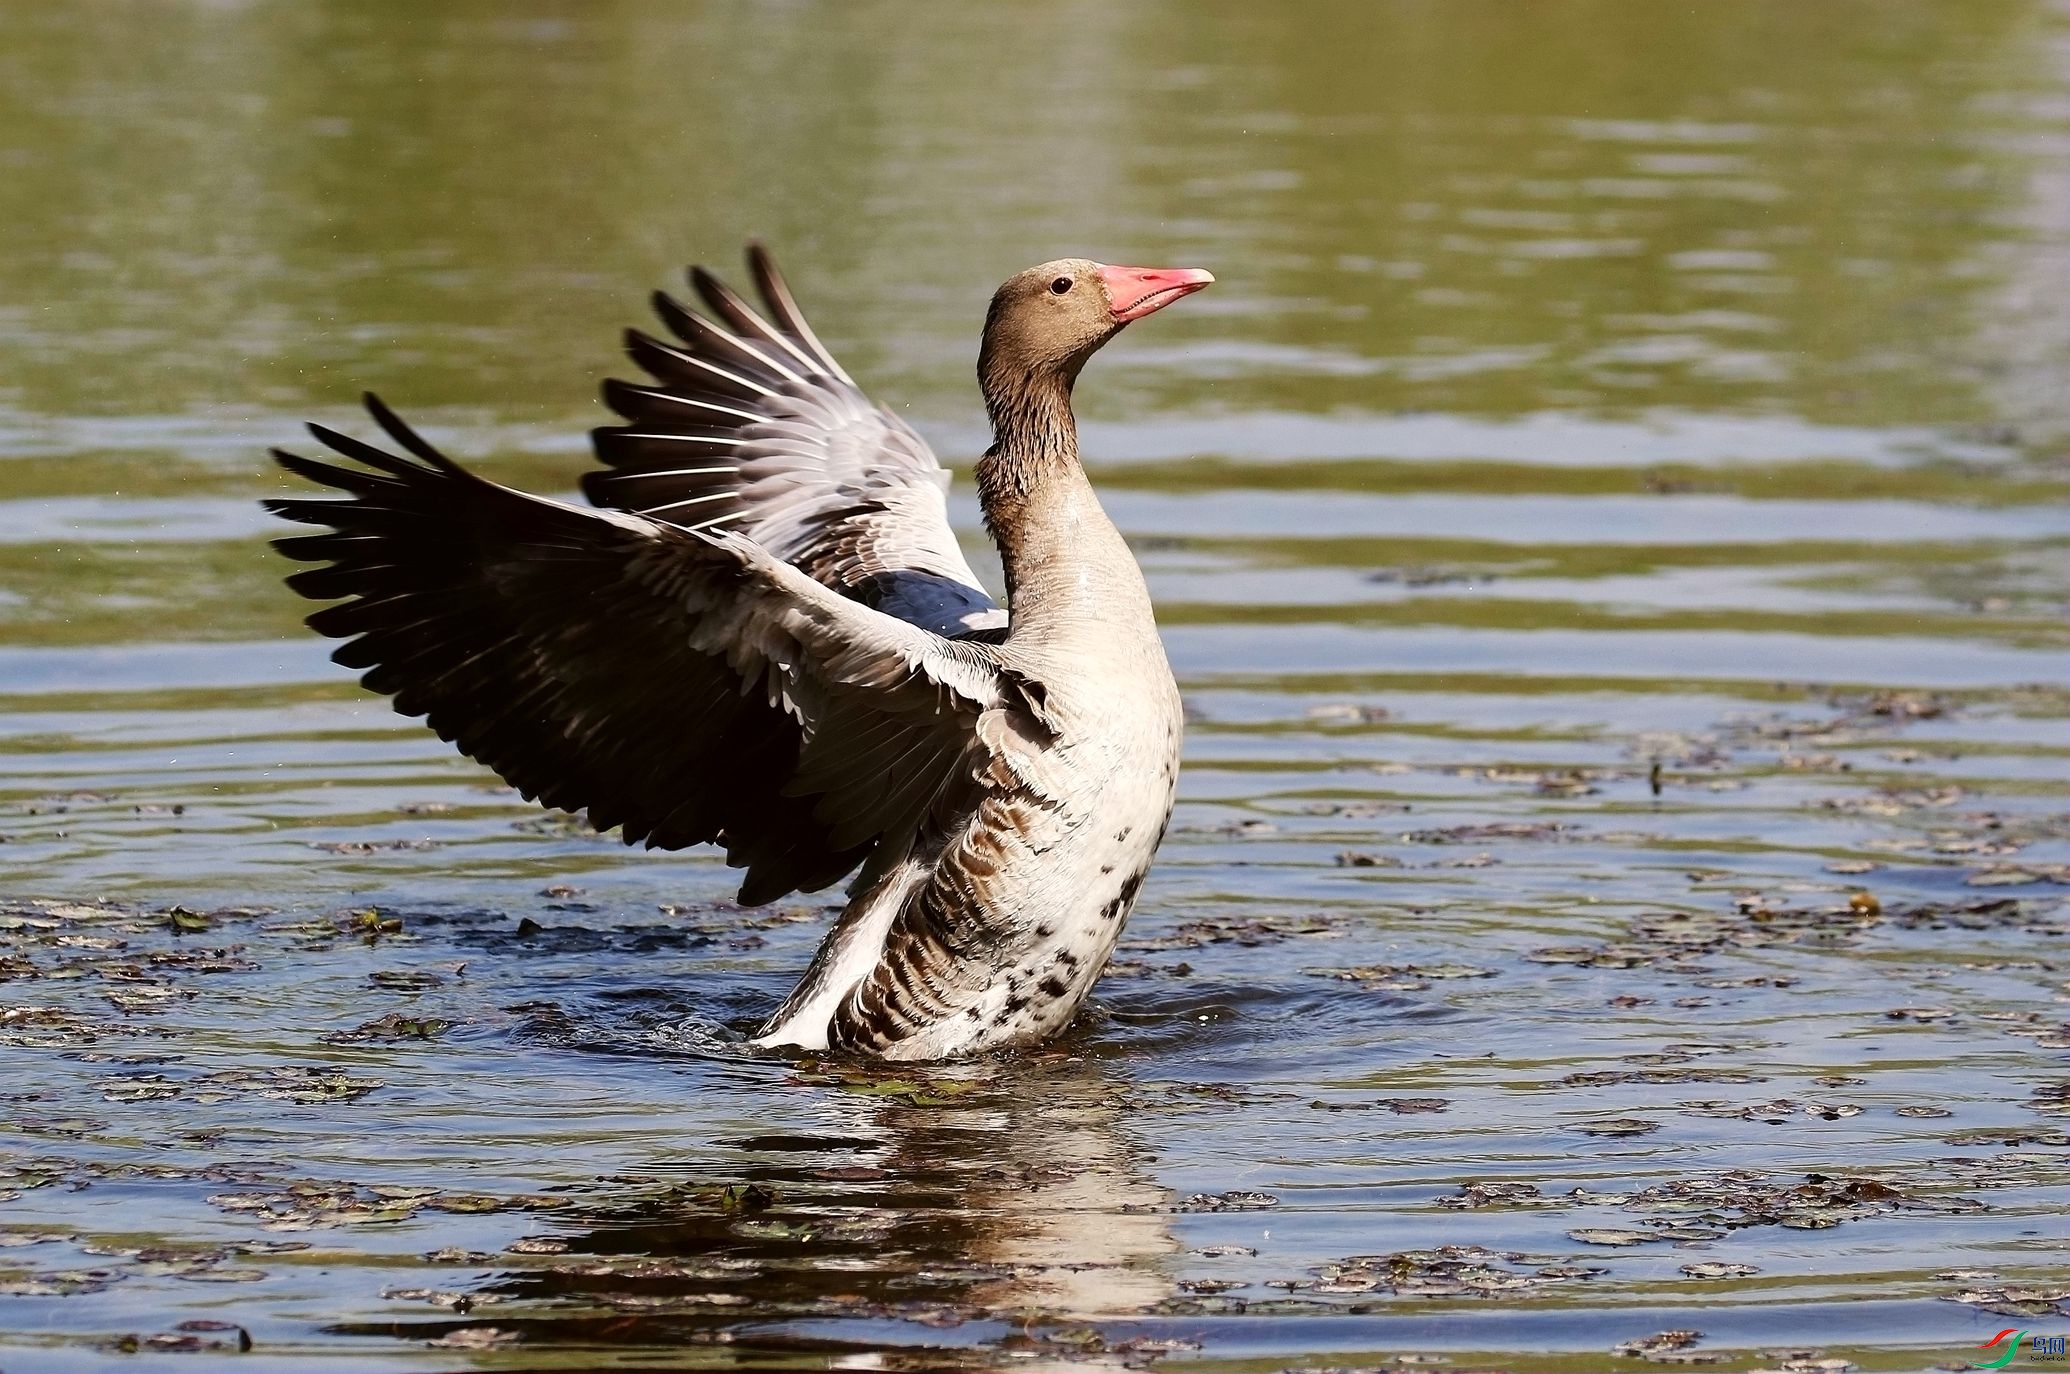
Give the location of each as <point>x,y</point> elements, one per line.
<point>763,634</point>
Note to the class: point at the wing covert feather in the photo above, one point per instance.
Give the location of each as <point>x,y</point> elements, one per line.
<point>682,686</point>
<point>748,424</point>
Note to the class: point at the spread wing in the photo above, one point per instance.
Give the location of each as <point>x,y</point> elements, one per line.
<point>748,424</point>
<point>685,686</point>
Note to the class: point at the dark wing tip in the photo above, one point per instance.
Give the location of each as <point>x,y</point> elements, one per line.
<point>681,320</point>
<point>306,512</point>
<point>343,444</point>
<point>620,396</point>
<point>762,266</point>
<point>784,310</point>
<point>395,428</point>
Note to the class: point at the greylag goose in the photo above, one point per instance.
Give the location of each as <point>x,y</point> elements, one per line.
<point>763,634</point>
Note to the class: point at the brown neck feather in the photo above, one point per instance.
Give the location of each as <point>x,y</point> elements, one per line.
<point>1034,444</point>
<point>1031,415</point>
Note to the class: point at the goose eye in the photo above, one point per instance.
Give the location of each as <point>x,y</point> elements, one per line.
<point>1060,286</point>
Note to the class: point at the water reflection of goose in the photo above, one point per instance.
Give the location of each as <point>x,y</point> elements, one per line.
<point>1067,1215</point>
<point>954,1211</point>
<point>768,638</point>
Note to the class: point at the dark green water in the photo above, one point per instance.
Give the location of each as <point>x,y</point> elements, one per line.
<point>1589,387</point>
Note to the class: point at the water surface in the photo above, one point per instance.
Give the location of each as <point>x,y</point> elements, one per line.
<point>1608,523</point>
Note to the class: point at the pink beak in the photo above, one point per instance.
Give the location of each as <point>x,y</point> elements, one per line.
<point>1133,292</point>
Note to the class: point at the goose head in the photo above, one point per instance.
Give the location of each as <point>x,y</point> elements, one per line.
<point>1045,322</point>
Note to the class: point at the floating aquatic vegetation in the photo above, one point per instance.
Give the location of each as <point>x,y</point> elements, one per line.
<point>57,1283</point>
<point>371,923</point>
<point>1670,941</point>
<point>139,1088</point>
<point>1497,1192</point>
<point>561,825</point>
<point>1400,1106</point>
<point>1713,1204</point>
<point>1235,1200</point>
<point>392,1027</point>
<point>2005,1137</point>
<point>1715,1269</point>
<point>366,847</point>
<point>1430,575</point>
<point>1814,763</point>
<point>1668,1347</point>
<point>475,1338</point>
<point>2016,1300</point>
<point>1486,832</point>
<point>1544,782</point>
<point>643,1268</point>
<point>405,979</point>
<point>189,1337</point>
<point>1613,1235</point>
<point>1894,801</point>
<point>1601,1078</point>
<point>2024,875</point>
<point>1401,977</point>
<point>1803,1362</point>
<point>536,1245</point>
<point>1896,705</point>
<point>1249,930</point>
<point>916,1089</point>
<point>451,1300</point>
<point>453,1254</point>
<point>1364,809</point>
<point>309,1083</point>
<point>1445,1271</point>
<point>1401,1364</point>
<point>1193,1097</point>
<point>1144,1348</point>
<point>1775,1112</point>
<point>307,1204</point>
<point>1594,956</point>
